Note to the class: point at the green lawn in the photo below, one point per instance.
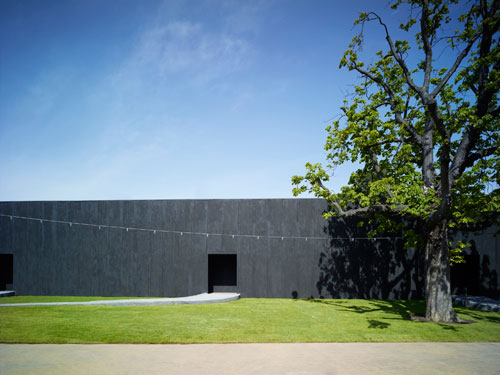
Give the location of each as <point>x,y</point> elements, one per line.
<point>245,320</point>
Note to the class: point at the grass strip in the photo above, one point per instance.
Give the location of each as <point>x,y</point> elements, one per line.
<point>245,320</point>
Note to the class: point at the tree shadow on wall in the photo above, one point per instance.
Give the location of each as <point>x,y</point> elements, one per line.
<point>489,279</point>
<point>353,266</point>
<point>474,277</point>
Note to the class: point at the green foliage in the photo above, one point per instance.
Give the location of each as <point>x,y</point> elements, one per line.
<point>395,119</point>
<point>456,252</point>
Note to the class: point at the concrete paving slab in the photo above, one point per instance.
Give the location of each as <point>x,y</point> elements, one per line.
<point>208,359</point>
<point>196,299</point>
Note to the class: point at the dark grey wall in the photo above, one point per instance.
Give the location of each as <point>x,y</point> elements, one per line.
<point>59,259</point>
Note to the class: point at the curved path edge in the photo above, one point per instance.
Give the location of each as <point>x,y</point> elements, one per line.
<point>191,300</point>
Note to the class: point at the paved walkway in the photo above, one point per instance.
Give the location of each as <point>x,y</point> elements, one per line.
<point>218,359</point>
<point>197,299</point>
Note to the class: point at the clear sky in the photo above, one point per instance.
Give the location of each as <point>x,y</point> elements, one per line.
<point>169,99</point>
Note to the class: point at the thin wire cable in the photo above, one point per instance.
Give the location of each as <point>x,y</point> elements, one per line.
<point>207,234</point>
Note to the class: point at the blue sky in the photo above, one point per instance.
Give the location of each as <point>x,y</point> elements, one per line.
<point>169,99</point>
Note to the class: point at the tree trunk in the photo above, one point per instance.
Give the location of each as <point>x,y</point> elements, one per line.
<point>437,277</point>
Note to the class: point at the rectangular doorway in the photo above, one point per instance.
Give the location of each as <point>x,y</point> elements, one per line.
<point>6,270</point>
<point>221,270</point>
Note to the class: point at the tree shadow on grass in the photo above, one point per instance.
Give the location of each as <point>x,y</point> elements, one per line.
<point>399,309</point>
<point>403,308</point>
<point>478,317</point>
<point>377,324</point>
<point>448,327</point>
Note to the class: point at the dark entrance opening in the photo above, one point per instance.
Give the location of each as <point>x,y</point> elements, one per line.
<point>6,270</point>
<point>221,270</point>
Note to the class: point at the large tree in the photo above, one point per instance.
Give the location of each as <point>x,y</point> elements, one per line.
<point>424,125</point>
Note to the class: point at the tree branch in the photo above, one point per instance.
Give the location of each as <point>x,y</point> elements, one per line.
<point>375,79</point>
<point>406,105</point>
<point>494,111</point>
<point>397,57</point>
<point>484,95</point>
<point>334,204</point>
<point>433,109</point>
<point>413,133</point>
<point>378,170</point>
<point>456,172</point>
<point>427,46</point>
<point>372,210</point>
<point>458,164</point>
<point>428,171</point>
<point>387,142</point>
<point>454,67</point>
<point>375,164</point>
